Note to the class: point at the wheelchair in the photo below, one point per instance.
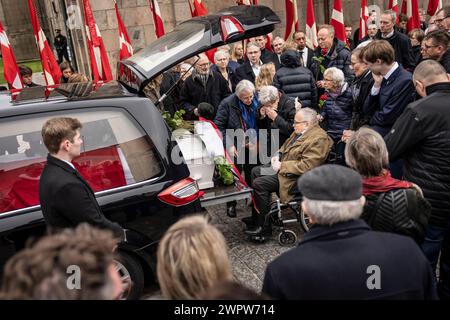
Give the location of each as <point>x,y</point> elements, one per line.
<point>288,237</point>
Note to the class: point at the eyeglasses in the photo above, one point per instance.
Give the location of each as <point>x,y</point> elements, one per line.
<point>300,122</point>
<point>426,47</point>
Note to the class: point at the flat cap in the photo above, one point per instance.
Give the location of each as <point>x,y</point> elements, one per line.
<point>331,182</point>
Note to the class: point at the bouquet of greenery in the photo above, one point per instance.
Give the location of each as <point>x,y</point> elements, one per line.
<point>224,169</point>
<point>176,121</point>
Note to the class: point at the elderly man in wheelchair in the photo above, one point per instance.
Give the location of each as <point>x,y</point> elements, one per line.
<point>306,148</point>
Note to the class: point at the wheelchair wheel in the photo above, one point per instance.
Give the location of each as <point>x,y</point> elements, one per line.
<point>304,221</point>
<point>287,238</point>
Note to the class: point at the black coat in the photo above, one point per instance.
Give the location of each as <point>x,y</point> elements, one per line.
<point>67,199</point>
<point>421,136</point>
<point>339,56</point>
<point>445,61</point>
<point>402,47</point>
<point>338,112</point>
<point>268,56</point>
<point>244,72</point>
<point>335,263</point>
<point>193,92</point>
<point>295,80</point>
<point>361,87</point>
<point>283,122</point>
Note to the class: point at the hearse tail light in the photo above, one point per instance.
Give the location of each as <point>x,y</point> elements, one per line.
<point>230,27</point>
<point>181,193</point>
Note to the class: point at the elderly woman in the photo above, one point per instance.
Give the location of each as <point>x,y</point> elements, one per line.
<point>239,111</point>
<point>192,257</point>
<point>391,205</point>
<point>222,61</point>
<point>276,114</point>
<point>338,109</point>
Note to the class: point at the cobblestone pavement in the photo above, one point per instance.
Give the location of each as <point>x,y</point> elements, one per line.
<point>249,259</point>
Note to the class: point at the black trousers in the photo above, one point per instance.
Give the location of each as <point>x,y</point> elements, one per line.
<point>264,182</point>
<point>62,54</point>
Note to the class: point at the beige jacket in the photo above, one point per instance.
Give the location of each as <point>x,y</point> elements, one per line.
<point>308,152</point>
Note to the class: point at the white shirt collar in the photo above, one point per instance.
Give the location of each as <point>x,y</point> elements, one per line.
<point>258,65</point>
<point>390,34</point>
<point>69,163</point>
<point>394,67</point>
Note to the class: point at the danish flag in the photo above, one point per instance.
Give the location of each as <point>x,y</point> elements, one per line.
<point>52,73</point>
<point>126,50</point>
<point>363,16</point>
<point>197,8</point>
<point>411,9</point>
<point>337,21</point>
<point>10,69</point>
<point>97,52</point>
<point>393,5</point>
<point>311,30</point>
<point>434,6</point>
<point>291,18</point>
<point>157,18</point>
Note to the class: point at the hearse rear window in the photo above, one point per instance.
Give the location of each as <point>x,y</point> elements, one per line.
<point>115,153</point>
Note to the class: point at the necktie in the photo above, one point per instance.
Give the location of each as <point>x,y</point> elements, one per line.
<point>301,59</point>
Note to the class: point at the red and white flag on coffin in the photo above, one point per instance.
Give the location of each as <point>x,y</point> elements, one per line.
<point>157,18</point>
<point>97,52</point>
<point>50,67</point>
<point>363,16</point>
<point>411,9</point>
<point>337,21</point>
<point>311,30</point>
<point>434,6</point>
<point>197,8</point>
<point>291,18</point>
<point>10,69</point>
<point>126,50</point>
<point>393,5</point>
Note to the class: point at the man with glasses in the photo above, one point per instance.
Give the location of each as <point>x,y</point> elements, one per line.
<point>399,41</point>
<point>306,148</point>
<point>251,67</point>
<point>203,85</point>
<point>435,46</point>
<point>442,19</point>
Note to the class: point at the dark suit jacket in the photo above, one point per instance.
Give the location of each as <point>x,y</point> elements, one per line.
<point>395,94</point>
<point>336,262</point>
<point>309,58</point>
<point>67,199</point>
<point>244,72</point>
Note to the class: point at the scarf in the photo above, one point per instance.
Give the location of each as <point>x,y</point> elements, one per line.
<point>249,114</point>
<point>383,183</point>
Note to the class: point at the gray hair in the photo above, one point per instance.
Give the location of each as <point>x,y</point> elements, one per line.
<point>332,212</point>
<point>221,53</point>
<point>268,94</point>
<point>244,85</point>
<point>309,115</point>
<point>336,74</point>
<point>392,14</point>
<point>253,44</point>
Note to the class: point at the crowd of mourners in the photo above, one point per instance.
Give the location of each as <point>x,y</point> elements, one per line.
<point>364,138</point>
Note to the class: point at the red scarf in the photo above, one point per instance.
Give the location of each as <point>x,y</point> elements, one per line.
<point>383,183</point>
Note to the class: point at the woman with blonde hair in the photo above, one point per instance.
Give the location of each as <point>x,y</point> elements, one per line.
<point>237,53</point>
<point>192,257</point>
<point>265,77</point>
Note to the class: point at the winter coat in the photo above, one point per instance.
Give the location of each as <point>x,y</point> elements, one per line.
<point>295,80</point>
<point>193,92</point>
<point>338,112</point>
<point>283,122</point>
<point>338,56</point>
<point>421,136</point>
<point>340,262</point>
<point>309,151</point>
<point>361,87</point>
<point>402,47</point>
<point>445,61</point>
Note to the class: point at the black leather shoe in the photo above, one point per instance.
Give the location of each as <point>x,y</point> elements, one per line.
<point>248,221</point>
<point>259,231</point>
<point>231,212</point>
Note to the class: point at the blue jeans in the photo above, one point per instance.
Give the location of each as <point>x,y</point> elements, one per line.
<point>437,240</point>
